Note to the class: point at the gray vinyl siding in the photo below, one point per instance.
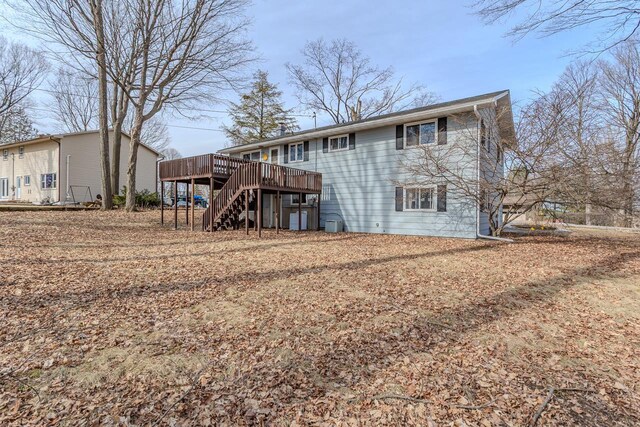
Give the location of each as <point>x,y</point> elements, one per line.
<point>359,188</point>
<point>489,167</point>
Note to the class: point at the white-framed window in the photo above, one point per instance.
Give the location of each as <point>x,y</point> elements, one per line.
<point>21,152</point>
<point>339,143</point>
<point>296,152</point>
<point>5,154</point>
<point>420,133</point>
<point>48,180</point>
<point>295,197</point>
<point>26,180</point>
<point>254,155</point>
<point>420,199</point>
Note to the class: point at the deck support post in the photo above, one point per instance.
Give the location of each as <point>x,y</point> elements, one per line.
<point>175,205</point>
<point>278,212</point>
<point>255,207</point>
<point>318,223</point>
<point>193,198</point>
<point>186,203</point>
<point>161,202</point>
<point>246,211</point>
<point>259,212</point>
<point>211,186</point>
<point>299,211</point>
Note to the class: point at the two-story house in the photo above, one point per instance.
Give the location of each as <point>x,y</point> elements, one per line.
<point>365,179</point>
<point>59,168</point>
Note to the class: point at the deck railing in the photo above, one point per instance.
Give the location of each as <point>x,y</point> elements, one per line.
<point>199,166</point>
<point>253,175</point>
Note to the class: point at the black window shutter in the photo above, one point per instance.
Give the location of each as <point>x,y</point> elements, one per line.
<point>442,131</point>
<point>306,151</point>
<point>325,145</point>
<point>399,199</point>
<point>286,153</point>
<point>352,141</point>
<point>246,157</point>
<point>442,198</point>
<point>399,138</point>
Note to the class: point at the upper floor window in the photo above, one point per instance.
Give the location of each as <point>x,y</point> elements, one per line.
<point>420,133</point>
<point>5,154</point>
<point>419,198</point>
<point>255,156</point>
<point>338,143</point>
<point>20,152</point>
<point>296,152</point>
<point>48,180</point>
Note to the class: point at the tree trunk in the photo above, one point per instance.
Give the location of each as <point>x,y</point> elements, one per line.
<point>107,195</point>
<point>115,158</point>
<point>136,131</point>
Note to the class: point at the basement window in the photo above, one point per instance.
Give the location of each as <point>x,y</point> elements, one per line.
<point>420,199</point>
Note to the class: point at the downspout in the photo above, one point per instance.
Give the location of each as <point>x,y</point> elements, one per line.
<point>478,235</point>
<point>59,162</point>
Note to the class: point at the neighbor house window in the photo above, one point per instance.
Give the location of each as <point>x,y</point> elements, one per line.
<point>339,143</point>
<point>27,180</point>
<point>296,152</point>
<point>20,152</point>
<point>420,134</point>
<point>420,198</point>
<point>48,180</point>
<point>5,154</point>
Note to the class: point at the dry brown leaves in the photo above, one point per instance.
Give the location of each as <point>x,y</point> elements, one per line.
<point>109,319</point>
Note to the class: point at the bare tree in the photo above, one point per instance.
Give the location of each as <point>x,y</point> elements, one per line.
<point>22,70</point>
<point>616,20</point>
<point>620,85</point>
<point>156,135</point>
<point>76,97</point>
<point>338,79</point>
<point>16,125</point>
<point>185,53</point>
<point>483,167</point>
<point>79,31</point>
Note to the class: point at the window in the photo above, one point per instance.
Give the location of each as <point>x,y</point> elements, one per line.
<point>420,134</point>
<point>296,152</point>
<point>295,197</point>
<point>20,152</point>
<point>419,198</point>
<point>255,156</point>
<point>48,180</point>
<point>27,180</point>
<point>5,154</point>
<point>339,143</point>
<point>485,140</point>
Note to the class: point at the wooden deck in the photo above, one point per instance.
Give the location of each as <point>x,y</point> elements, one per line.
<point>236,182</point>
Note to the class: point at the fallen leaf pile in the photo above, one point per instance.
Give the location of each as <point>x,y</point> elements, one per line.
<point>110,319</point>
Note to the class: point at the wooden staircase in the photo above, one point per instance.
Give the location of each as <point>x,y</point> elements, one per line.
<point>235,180</point>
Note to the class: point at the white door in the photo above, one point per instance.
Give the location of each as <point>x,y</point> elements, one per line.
<point>18,187</point>
<point>4,188</point>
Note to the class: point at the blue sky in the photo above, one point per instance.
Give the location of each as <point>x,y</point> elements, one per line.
<point>440,45</point>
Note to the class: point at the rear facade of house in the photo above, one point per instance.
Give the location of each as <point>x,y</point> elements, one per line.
<point>36,170</point>
<point>366,183</point>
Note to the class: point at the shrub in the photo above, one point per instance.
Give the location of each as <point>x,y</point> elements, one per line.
<point>144,199</point>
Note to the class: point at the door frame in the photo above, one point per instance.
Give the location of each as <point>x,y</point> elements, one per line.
<point>3,194</point>
<point>18,191</point>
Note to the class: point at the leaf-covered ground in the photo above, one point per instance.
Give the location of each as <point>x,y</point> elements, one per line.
<point>106,318</point>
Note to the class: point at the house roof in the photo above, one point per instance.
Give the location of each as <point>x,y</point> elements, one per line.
<point>398,117</point>
<point>59,138</point>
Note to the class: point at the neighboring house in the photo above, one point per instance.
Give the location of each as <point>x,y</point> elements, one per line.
<point>362,169</point>
<point>36,170</point>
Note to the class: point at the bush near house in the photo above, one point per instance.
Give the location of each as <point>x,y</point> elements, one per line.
<point>144,199</point>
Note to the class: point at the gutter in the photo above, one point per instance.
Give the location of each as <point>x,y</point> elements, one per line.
<point>478,235</point>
